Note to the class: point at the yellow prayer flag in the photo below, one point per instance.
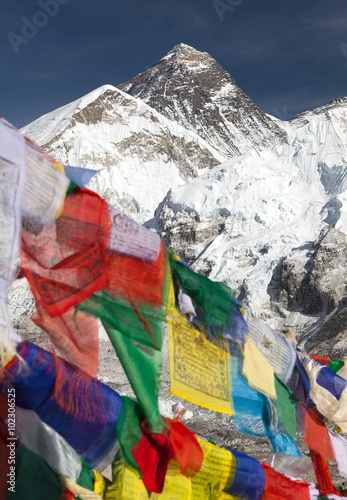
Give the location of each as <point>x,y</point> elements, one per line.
<point>258,370</point>
<point>176,487</point>
<point>216,474</point>
<point>199,370</point>
<point>127,484</point>
<point>99,484</point>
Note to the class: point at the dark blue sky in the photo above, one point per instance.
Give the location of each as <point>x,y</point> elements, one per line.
<point>287,55</point>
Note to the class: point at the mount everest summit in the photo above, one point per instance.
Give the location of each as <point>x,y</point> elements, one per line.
<point>243,197</point>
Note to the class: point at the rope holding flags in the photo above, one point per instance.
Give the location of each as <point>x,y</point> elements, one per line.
<point>75,437</point>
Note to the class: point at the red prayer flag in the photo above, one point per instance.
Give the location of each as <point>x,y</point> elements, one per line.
<point>75,335</point>
<point>152,454</point>
<point>317,437</point>
<point>280,487</point>
<point>137,280</point>
<point>65,262</point>
<point>185,448</point>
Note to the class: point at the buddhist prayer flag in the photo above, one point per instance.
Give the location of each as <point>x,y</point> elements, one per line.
<point>215,299</point>
<point>328,392</point>
<point>258,370</point>
<point>41,439</point>
<point>249,477</point>
<point>199,370</point>
<point>135,332</point>
<point>286,406</point>
<point>216,474</point>
<point>75,335</point>
<point>339,445</point>
<point>81,409</point>
<point>317,436</point>
<point>138,281</point>
<point>66,260</point>
<point>280,487</point>
<point>34,478</point>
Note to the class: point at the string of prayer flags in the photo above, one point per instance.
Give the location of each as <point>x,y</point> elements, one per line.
<point>84,258</point>
<point>66,261</point>
<point>74,334</point>
<point>80,408</point>
<point>249,477</point>
<point>135,332</point>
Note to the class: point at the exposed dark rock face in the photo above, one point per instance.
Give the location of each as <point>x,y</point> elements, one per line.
<point>191,88</point>
<point>317,288</point>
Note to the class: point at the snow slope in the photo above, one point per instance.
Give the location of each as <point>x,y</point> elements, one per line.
<point>139,153</point>
<point>248,213</point>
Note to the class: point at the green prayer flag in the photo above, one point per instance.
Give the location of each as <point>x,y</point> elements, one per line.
<point>135,331</point>
<point>128,429</point>
<point>86,478</point>
<point>286,406</point>
<point>335,365</point>
<point>35,479</point>
<point>216,299</point>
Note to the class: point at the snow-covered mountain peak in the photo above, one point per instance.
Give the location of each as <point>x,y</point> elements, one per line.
<point>192,58</point>
<point>192,89</point>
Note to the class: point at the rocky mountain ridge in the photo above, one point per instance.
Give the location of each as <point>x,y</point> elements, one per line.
<point>192,89</point>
